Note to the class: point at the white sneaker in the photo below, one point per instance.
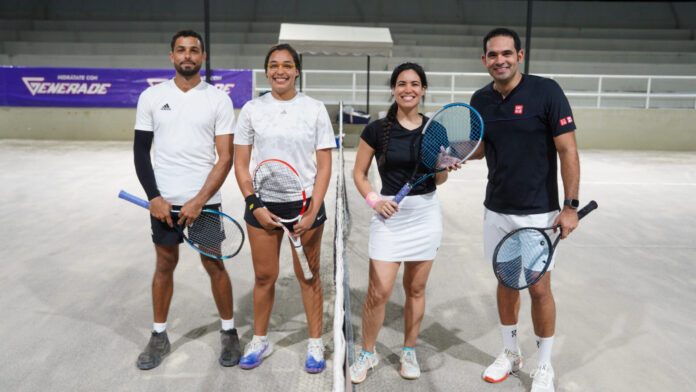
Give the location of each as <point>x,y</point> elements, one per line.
<point>543,378</point>
<point>410,369</point>
<point>506,363</point>
<point>365,361</point>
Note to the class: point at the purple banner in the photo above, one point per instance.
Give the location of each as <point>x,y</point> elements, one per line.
<point>101,87</point>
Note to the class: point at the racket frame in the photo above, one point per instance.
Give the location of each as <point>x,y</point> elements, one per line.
<point>145,204</point>
<point>294,240</point>
<point>591,206</point>
<point>410,184</point>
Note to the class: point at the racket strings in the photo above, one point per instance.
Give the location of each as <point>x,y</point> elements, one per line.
<point>522,258</point>
<point>275,182</point>
<point>215,235</point>
<point>453,135</point>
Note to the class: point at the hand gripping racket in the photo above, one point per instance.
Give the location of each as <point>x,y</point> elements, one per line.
<point>280,190</point>
<point>213,233</point>
<point>522,257</point>
<point>450,137</point>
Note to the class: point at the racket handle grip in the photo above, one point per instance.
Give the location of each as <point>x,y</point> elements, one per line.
<point>304,264</point>
<point>402,193</point>
<point>134,199</point>
<point>400,196</point>
<point>591,206</point>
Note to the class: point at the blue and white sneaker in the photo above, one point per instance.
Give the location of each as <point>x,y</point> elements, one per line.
<point>255,351</point>
<point>315,362</point>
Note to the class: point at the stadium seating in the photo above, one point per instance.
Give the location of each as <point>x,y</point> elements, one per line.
<point>444,48</point>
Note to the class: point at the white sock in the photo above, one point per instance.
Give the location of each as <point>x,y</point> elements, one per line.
<point>263,338</point>
<point>509,337</point>
<point>227,324</point>
<point>159,327</point>
<point>316,341</point>
<point>544,346</point>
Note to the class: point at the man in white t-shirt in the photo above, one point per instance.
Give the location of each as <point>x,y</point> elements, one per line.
<point>188,121</point>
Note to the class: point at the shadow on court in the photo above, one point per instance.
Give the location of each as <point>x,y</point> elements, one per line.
<point>76,283</point>
<point>77,265</point>
<point>622,285</point>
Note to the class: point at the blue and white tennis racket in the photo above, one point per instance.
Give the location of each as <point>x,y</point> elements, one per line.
<point>213,233</point>
<point>450,137</point>
<point>523,256</point>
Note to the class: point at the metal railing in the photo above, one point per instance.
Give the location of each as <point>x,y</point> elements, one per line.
<point>629,91</point>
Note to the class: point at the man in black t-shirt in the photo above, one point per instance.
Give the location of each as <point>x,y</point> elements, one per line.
<point>528,123</point>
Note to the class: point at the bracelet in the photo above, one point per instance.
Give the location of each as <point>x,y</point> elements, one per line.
<point>253,202</point>
<point>372,198</point>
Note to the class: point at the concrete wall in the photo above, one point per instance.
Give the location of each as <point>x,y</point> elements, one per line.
<point>630,129</point>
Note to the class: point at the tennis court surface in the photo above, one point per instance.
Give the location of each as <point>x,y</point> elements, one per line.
<point>77,264</point>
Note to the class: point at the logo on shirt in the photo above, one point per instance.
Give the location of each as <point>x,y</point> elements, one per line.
<point>165,107</point>
<point>566,120</point>
<point>518,109</point>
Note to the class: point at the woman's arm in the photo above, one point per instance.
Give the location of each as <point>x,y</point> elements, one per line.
<point>321,185</point>
<point>363,160</point>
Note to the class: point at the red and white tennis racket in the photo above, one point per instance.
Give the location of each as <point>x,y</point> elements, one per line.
<point>277,185</point>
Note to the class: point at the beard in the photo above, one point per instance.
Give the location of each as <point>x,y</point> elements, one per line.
<point>187,72</point>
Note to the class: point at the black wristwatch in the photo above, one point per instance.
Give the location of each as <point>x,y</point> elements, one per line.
<point>572,203</point>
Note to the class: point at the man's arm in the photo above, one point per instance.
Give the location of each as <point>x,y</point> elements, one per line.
<point>570,174</point>
<point>225,151</point>
<point>479,153</point>
<point>159,208</point>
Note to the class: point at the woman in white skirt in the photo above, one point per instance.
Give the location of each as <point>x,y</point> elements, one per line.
<point>409,232</point>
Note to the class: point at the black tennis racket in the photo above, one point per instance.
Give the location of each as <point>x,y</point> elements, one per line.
<point>279,188</point>
<point>450,137</point>
<point>522,257</point>
<point>213,233</point>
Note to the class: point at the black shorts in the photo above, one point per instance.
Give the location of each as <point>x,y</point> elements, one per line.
<point>162,234</point>
<point>280,209</point>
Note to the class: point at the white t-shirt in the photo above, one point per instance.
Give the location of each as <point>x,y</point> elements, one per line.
<point>185,125</point>
<point>287,130</point>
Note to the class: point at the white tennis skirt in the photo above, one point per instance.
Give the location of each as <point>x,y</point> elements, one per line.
<point>413,233</point>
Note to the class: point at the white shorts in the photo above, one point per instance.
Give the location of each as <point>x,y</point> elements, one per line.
<point>496,226</point>
<point>413,233</point>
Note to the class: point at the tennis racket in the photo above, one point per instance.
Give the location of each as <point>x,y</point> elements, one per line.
<point>522,257</point>
<point>280,190</point>
<point>449,137</point>
<point>213,233</point>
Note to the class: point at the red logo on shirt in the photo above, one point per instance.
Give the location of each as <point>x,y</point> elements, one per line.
<point>569,119</point>
<point>563,122</point>
<point>518,109</point>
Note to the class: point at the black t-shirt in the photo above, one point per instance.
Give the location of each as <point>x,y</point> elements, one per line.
<point>520,150</point>
<point>402,156</point>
